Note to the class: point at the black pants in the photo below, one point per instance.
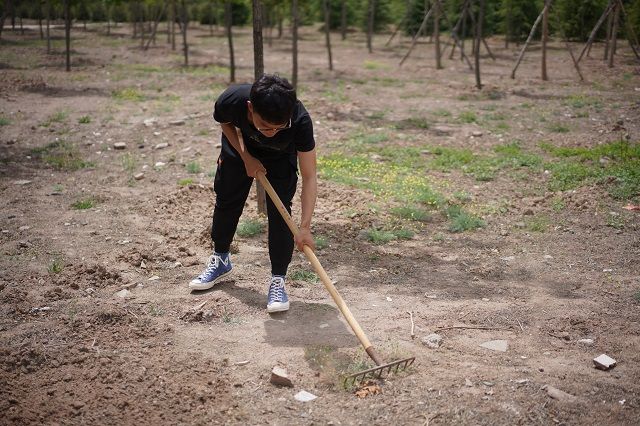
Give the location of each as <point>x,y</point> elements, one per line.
<point>232,186</point>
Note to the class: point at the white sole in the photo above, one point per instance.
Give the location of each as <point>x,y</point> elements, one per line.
<point>207,286</point>
<point>278,307</point>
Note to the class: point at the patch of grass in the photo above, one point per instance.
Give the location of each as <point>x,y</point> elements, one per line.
<point>4,121</point>
<point>62,155</point>
<point>461,220</point>
<point>56,117</point>
<point>321,242</point>
<point>558,204</point>
<point>381,236</point>
<point>462,196</point>
<point>441,112</point>
<point>84,204</point>
<point>155,310</point>
<point>581,101</point>
<point>185,182</point>
<point>193,167</point>
<point>558,128</point>
<point>129,163</point>
<point>303,275</point>
<point>56,266</point>
<point>58,188</point>
<point>537,223</point>
<point>377,115</point>
<point>637,296</point>
<point>412,123</point>
<point>129,94</point>
<point>250,228</point>
<point>615,220</point>
<point>373,65</point>
<point>468,117</point>
<point>414,213</point>
<point>85,119</point>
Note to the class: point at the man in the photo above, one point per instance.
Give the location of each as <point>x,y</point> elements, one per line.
<point>265,129</point>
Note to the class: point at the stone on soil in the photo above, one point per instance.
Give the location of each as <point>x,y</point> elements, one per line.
<point>496,345</point>
<point>432,341</point>
<point>561,396</point>
<point>124,293</point>
<point>279,377</point>
<point>304,396</point>
<point>604,362</point>
<point>119,145</point>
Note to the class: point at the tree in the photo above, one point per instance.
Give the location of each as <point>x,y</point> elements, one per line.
<point>578,17</point>
<point>228,21</point>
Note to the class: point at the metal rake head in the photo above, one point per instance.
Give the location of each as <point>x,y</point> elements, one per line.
<point>378,372</point>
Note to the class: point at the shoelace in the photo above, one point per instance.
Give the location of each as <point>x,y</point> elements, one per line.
<point>214,261</point>
<point>276,289</point>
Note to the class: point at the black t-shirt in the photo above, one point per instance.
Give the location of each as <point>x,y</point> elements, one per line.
<point>231,107</point>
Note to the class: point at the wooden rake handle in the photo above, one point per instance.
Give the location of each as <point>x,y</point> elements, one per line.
<point>320,271</point>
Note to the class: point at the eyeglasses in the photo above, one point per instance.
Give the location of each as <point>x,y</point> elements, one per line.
<point>274,129</point>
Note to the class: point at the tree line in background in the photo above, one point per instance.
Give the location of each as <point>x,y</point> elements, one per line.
<point>510,18</point>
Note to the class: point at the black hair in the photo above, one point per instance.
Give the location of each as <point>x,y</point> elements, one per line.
<point>273,98</point>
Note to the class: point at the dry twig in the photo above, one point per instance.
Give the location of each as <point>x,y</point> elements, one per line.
<point>413,335</point>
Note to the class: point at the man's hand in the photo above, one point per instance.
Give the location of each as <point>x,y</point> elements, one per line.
<point>253,166</point>
<point>304,238</point>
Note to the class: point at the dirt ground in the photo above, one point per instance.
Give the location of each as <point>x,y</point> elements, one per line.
<point>75,349</point>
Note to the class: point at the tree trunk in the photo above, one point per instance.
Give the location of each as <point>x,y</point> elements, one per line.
<point>185,22</point>
<point>436,33</point>
<point>327,33</point>
<point>607,40</point>
<point>173,24</point>
<point>4,16</point>
<point>228,21</point>
<point>67,33</point>
<point>48,6</point>
<point>595,30</point>
<point>478,41</point>
<point>258,71</point>
<point>614,34</point>
<point>258,50</point>
<point>423,26</point>
<point>371,13</point>
<point>533,30</point>
<point>343,20</point>
<point>294,44</point>
<point>545,35</point>
<point>156,21</point>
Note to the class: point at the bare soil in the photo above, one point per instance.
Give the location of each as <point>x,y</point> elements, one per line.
<point>72,351</point>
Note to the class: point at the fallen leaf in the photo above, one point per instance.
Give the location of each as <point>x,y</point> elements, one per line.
<point>368,388</point>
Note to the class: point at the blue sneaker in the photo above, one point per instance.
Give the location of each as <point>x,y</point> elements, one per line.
<point>219,267</point>
<point>277,299</point>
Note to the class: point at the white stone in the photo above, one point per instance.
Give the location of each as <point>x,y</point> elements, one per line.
<point>558,394</point>
<point>496,345</point>
<point>432,340</point>
<point>279,377</point>
<point>604,362</point>
<point>304,396</point>
<point>586,342</point>
<point>161,145</point>
<point>119,145</point>
<point>124,293</point>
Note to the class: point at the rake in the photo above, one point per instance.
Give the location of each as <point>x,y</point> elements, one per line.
<point>382,369</point>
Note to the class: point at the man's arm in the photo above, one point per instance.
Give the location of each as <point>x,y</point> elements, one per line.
<point>251,164</point>
<point>308,170</point>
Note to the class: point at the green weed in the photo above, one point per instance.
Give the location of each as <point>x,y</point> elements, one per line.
<point>155,310</point>
<point>321,242</point>
<point>303,275</point>
<point>185,182</point>
<point>537,224</point>
<point>250,228</point>
<point>56,117</point>
<point>128,94</point>
<point>85,119</point>
<point>129,163</point>
<point>373,65</point>
<point>558,204</point>
<point>56,265</point>
<point>412,123</point>
<point>637,296</point>
<point>380,236</point>
<point>4,121</point>
<point>615,220</point>
<point>84,204</point>
<point>461,220</point>
<point>468,117</point>
<point>411,213</point>
<point>441,112</point>
<point>193,167</point>
<point>62,155</point>
<point>558,128</point>
<point>581,101</point>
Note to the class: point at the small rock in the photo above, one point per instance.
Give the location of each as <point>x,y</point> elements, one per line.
<point>586,342</point>
<point>143,265</point>
<point>432,296</point>
<point>476,133</point>
<point>304,396</point>
<point>138,176</point>
<point>279,377</point>
<point>241,363</point>
<point>561,396</point>
<point>124,293</point>
<point>119,145</point>
<point>159,164</point>
<point>604,362</point>
<point>177,122</point>
<point>24,228</point>
<point>154,278</point>
<point>150,122</point>
<point>24,244</point>
<point>21,182</point>
<point>77,404</point>
<point>496,345</point>
<point>161,145</point>
<point>468,383</point>
<point>528,212</point>
<point>433,341</point>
